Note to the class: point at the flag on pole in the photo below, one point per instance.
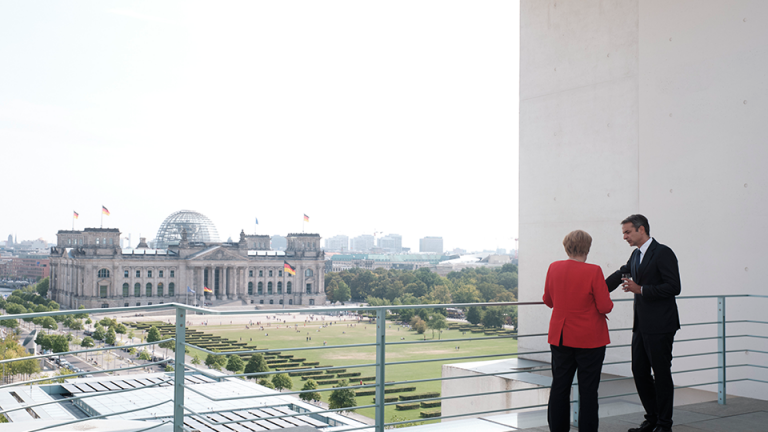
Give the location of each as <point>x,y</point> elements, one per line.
<point>208,290</point>
<point>104,210</point>
<point>306,218</point>
<point>76,215</point>
<point>190,290</point>
<point>289,268</point>
<point>257,221</point>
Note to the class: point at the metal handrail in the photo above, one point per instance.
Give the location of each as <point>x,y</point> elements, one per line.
<point>181,411</point>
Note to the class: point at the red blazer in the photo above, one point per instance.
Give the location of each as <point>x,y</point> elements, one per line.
<point>579,299</point>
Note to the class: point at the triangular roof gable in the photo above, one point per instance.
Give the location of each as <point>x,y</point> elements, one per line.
<point>217,253</point>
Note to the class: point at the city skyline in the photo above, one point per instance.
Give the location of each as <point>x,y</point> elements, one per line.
<point>263,110</point>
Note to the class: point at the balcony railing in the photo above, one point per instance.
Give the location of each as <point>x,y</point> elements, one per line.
<point>715,330</point>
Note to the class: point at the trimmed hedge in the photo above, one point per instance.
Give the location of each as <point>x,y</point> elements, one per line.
<point>330,381</point>
<point>399,389</point>
<point>311,363</point>
<point>335,371</point>
<point>349,374</point>
<point>405,407</point>
<point>426,395</point>
<point>365,392</point>
<point>387,399</point>
<point>306,373</point>
<point>432,404</point>
<point>428,414</point>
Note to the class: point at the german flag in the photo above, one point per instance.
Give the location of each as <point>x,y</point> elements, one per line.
<point>208,290</point>
<point>306,218</point>
<point>289,268</point>
<point>76,214</point>
<point>104,210</point>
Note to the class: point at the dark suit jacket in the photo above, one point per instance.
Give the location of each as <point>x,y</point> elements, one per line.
<point>658,274</point>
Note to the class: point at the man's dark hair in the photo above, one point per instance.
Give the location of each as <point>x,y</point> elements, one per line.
<point>637,221</point>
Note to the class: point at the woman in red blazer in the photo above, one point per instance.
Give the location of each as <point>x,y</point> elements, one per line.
<point>578,332</point>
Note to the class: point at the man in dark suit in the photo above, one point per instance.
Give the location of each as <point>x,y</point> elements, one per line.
<point>655,282</point>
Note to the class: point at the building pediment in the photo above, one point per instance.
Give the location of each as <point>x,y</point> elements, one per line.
<point>217,253</point>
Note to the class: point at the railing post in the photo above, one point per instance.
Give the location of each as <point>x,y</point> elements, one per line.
<point>721,364</point>
<point>381,334</point>
<point>178,371</point>
<point>576,401</point>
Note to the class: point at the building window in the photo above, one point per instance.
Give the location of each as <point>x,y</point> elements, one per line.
<point>149,304</point>
<point>269,287</point>
<point>261,301</point>
<point>290,301</point>
<point>261,273</point>
<point>171,289</point>
<point>280,301</point>
<point>69,241</point>
<point>279,287</point>
<point>250,288</point>
<point>160,289</point>
<point>160,273</point>
<point>126,288</point>
<point>125,274</point>
<point>138,273</point>
<point>110,242</point>
<point>261,288</point>
<point>149,290</point>
<point>279,272</point>
<point>308,273</point>
<point>138,303</point>
<point>270,273</point>
<point>103,273</point>
<point>97,240</point>
<point>126,305</point>
<point>288,287</point>
<point>103,291</point>
<point>271,301</point>
<point>311,302</point>
<point>137,290</point>
<point>149,273</point>
<point>173,273</point>
<point>309,288</point>
<point>250,273</point>
<point>105,305</point>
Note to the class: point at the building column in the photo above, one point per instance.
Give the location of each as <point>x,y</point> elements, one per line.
<point>227,289</point>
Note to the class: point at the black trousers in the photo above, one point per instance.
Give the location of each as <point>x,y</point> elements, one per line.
<point>566,361</point>
<point>657,391</point>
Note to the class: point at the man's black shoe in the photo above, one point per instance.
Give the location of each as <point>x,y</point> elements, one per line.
<point>644,427</point>
<point>662,429</point>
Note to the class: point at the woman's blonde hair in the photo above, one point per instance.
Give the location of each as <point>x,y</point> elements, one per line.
<point>577,243</point>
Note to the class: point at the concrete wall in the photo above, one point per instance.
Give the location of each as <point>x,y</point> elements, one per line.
<point>655,107</point>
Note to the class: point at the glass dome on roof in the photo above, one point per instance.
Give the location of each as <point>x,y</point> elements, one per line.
<point>199,229</point>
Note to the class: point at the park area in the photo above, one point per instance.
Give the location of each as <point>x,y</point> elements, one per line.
<point>302,331</point>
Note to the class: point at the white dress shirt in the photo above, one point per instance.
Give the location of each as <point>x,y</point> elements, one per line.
<point>643,249</point>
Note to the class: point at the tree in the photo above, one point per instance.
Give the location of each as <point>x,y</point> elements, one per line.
<point>75,324</point>
<point>341,293</point>
<point>111,337</point>
<point>82,315</point>
<point>49,323</point>
<point>418,324</point>
<point>42,287</point>
<point>99,333</point>
<point>282,381</point>
<point>475,315</point>
<point>437,322</point>
<point>168,368</point>
<point>59,343</point>
<point>196,360</point>
<point>87,342</point>
<point>108,322</point>
<point>43,341</point>
<point>310,396</point>
<point>342,398</point>
<point>120,328</point>
<point>235,363</point>
<point>88,321</point>
<point>144,355</point>
<point>266,383</point>
<point>10,323</point>
<point>153,335</point>
<point>256,364</point>
<point>494,317</point>
<point>210,360</point>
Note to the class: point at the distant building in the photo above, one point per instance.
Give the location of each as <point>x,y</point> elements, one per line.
<point>363,243</point>
<point>431,244</point>
<point>279,242</point>
<point>339,243</point>
<point>341,262</point>
<point>391,243</point>
<point>30,267</point>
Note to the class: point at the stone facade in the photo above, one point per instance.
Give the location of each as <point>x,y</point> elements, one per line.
<point>89,268</point>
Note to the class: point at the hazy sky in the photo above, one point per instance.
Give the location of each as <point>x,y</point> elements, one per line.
<point>390,116</point>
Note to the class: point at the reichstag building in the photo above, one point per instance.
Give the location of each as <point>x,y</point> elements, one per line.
<point>188,265</point>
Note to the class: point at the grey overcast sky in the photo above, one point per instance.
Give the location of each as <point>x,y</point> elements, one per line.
<point>388,116</point>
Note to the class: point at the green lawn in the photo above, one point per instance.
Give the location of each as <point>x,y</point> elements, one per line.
<point>341,334</point>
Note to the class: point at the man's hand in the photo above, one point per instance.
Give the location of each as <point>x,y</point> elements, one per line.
<point>630,286</point>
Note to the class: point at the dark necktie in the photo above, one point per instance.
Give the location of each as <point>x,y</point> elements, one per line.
<point>635,264</point>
